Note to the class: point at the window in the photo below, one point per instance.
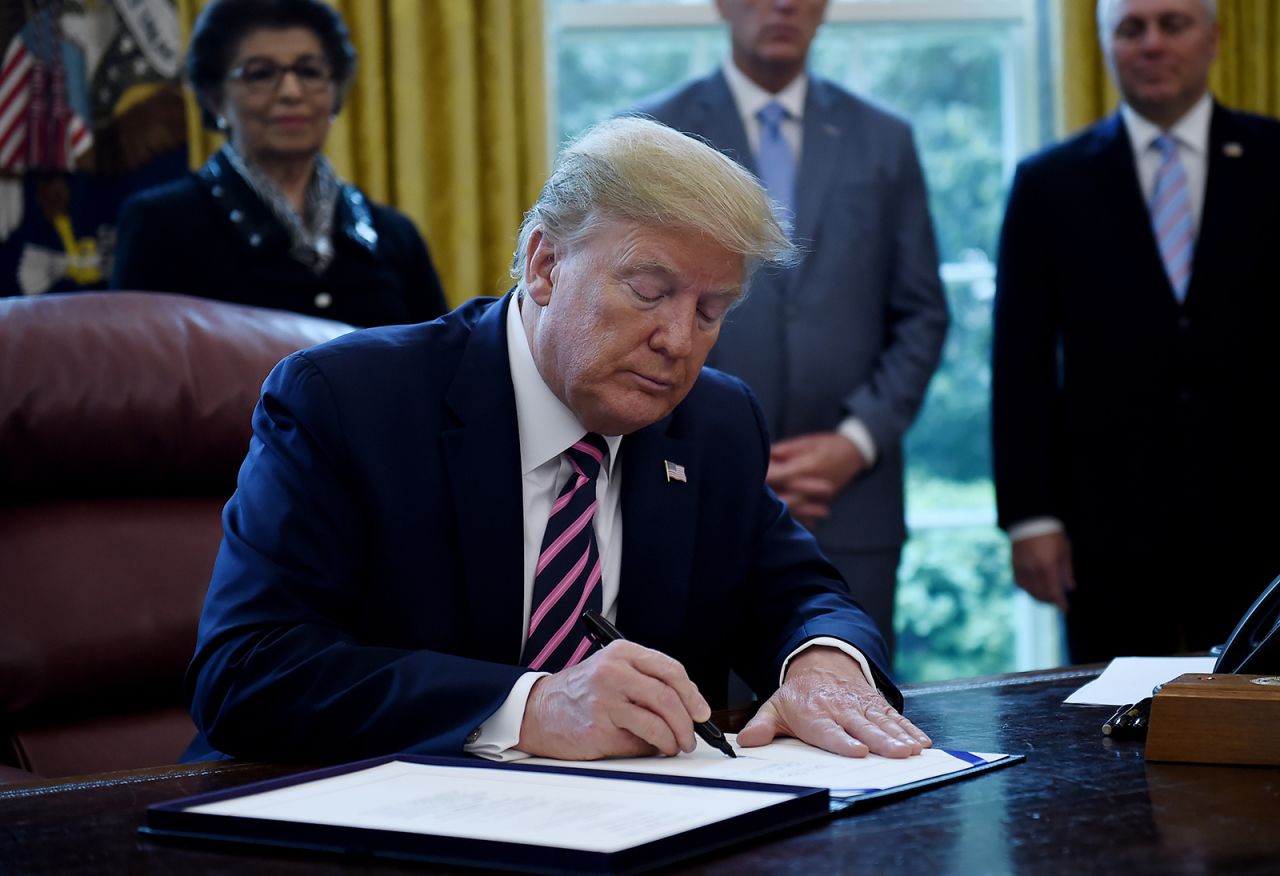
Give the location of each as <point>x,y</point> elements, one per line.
<point>966,74</point>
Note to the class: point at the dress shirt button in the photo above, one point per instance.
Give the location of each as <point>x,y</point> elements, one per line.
<point>237,216</point>
<point>323,300</point>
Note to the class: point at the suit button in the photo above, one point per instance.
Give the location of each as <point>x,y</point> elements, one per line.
<point>793,311</point>
<point>218,191</point>
<point>237,216</point>
<point>1184,322</point>
<point>323,300</point>
<point>1185,397</point>
<point>255,239</point>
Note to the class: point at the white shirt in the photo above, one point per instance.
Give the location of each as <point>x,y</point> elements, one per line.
<point>1192,135</point>
<point>547,429</point>
<point>750,98</point>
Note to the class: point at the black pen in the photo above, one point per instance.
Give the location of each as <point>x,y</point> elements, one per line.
<point>602,633</point>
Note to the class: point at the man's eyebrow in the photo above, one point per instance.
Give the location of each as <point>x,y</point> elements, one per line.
<point>661,268</point>
<point>649,266</point>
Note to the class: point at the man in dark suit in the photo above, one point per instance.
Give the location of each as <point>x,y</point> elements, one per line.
<point>840,348</point>
<point>425,511</point>
<point>1138,296</point>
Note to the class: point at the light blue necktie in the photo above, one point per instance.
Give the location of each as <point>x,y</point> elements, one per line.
<point>777,164</point>
<point>1171,216</point>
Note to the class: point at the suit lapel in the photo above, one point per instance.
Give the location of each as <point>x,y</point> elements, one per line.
<point>482,457</point>
<point>659,520</point>
<point>1118,194</point>
<point>1225,190</point>
<point>720,122</point>
<point>820,154</point>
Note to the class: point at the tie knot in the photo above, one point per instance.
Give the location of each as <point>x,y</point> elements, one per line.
<point>1167,145</point>
<point>771,115</point>
<point>588,454</point>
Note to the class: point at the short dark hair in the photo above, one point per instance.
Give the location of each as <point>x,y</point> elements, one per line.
<point>224,23</point>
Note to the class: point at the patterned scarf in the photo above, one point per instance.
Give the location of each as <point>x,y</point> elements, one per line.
<point>312,233</point>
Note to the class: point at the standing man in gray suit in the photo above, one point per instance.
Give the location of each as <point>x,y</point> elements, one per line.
<point>840,348</point>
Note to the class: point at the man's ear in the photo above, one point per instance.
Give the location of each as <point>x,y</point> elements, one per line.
<point>539,262</point>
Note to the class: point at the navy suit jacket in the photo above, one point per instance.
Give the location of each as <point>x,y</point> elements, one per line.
<point>368,593</point>
<point>1147,426</point>
<point>857,328</point>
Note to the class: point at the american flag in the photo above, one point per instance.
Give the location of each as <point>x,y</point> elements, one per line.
<point>675,472</point>
<point>38,128</point>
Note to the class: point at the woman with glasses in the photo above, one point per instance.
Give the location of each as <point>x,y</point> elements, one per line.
<point>267,221</point>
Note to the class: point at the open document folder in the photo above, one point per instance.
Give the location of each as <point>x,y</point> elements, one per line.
<point>792,762</point>
<point>507,816</point>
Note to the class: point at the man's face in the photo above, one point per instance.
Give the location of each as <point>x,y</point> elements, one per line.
<point>772,34</point>
<point>1159,52</point>
<point>621,322</point>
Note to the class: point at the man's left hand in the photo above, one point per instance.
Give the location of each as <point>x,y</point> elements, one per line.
<point>808,471</point>
<point>827,702</point>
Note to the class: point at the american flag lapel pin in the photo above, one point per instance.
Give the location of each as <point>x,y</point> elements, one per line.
<point>675,472</point>
<point>1232,150</point>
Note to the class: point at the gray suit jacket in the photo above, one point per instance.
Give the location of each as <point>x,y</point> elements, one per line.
<point>856,328</point>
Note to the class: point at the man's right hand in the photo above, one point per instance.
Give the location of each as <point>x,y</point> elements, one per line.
<point>623,701</point>
<point>1042,567</point>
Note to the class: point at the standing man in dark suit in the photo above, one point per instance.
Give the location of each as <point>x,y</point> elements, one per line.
<point>840,348</point>
<point>425,511</point>
<point>1135,375</point>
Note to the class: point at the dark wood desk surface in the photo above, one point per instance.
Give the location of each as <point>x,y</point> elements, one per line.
<point>1080,803</point>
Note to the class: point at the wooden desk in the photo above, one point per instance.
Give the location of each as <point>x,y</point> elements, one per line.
<point>1080,803</point>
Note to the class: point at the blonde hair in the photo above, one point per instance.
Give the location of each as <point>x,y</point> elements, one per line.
<point>634,168</point>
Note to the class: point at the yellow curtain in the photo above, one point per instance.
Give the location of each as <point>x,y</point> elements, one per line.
<point>446,121</point>
<point>1245,76</point>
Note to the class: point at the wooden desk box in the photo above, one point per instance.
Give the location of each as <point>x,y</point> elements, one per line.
<point>1212,718</point>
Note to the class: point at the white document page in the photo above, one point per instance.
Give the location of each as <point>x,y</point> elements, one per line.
<point>1129,679</point>
<point>503,805</point>
<point>792,762</point>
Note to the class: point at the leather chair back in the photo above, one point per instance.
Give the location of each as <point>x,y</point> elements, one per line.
<point>123,421</point>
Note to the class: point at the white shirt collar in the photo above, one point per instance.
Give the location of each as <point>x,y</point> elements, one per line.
<point>1191,131</point>
<point>751,97</point>
<point>547,426</point>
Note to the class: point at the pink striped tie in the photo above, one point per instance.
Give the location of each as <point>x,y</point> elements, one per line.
<point>1171,218</point>
<point>567,579</point>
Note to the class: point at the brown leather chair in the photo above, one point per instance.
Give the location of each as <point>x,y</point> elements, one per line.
<point>123,421</point>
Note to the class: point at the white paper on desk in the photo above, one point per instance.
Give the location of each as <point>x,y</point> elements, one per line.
<point>1129,679</point>
<point>792,762</point>
<point>546,809</point>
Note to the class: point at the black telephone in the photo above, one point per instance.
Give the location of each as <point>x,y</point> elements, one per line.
<point>1254,646</point>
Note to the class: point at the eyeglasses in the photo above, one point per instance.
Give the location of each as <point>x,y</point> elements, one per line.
<point>261,76</point>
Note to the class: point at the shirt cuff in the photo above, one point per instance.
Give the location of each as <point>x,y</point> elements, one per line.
<point>496,738</point>
<point>856,431</point>
<point>830,642</point>
<point>1035,526</point>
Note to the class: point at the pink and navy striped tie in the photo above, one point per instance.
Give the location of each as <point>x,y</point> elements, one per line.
<point>567,578</point>
<point>1171,216</point>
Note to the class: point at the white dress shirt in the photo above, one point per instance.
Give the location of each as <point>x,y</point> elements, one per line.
<point>750,99</point>
<point>1191,132</point>
<point>1192,135</point>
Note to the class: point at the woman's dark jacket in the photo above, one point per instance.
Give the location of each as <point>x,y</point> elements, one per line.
<point>210,235</point>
